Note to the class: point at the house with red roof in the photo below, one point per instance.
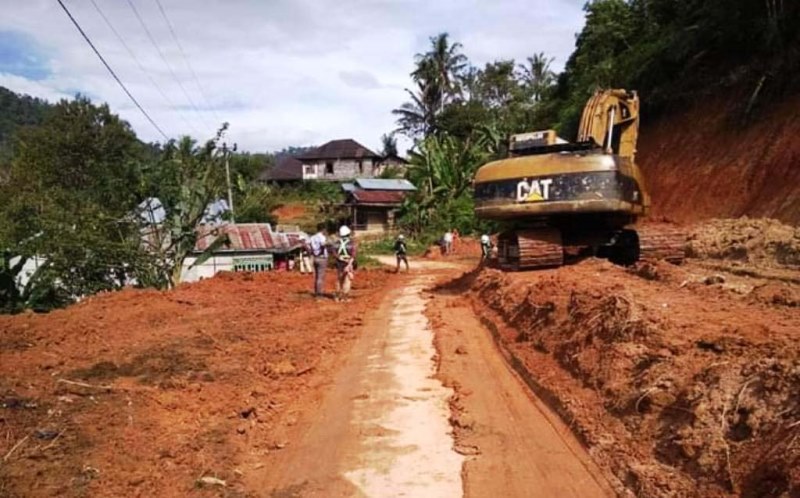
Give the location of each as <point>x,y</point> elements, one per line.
<point>247,247</point>
<point>374,203</point>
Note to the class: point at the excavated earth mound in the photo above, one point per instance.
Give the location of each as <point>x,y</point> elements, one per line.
<point>678,387</point>
<point>148,393</point>
<point>761,241</point>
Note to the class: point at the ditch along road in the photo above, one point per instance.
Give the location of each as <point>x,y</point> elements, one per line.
<point>392,423</point>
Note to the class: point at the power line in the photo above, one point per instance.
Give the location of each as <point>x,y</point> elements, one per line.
<point>186,59</point>
<point>163,58</point>
<point>141,67</point>
<point>85,37</point>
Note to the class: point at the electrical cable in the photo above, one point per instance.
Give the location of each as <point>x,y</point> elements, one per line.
<point>186,59</point>
<point>164,59</point>
<point>142,68</point>
<point>97,52</point>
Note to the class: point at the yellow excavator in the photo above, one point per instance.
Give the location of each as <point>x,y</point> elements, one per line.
<point>567,200</point>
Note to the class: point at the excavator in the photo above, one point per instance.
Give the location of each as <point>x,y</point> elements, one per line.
<point>563,201</point>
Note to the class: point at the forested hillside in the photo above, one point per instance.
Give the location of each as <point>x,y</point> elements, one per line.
<point>677,53</point>
<point>15,111</point>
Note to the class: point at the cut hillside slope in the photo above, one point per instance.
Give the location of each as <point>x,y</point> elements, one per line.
<point>703,162</point>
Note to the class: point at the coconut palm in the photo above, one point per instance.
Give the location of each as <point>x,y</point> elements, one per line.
<point>436,77</point>
<point>443,64</point>
<point>537,74</point>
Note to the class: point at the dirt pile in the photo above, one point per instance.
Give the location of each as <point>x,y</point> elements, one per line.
<point>681,388</point>
<point>463,248</point>
<point>763,242</point>
<point>708,161</point>
<point>143,393</point>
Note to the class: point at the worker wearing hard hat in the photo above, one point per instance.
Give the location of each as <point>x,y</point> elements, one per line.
<point>345,263</point>
<point>400,251</point>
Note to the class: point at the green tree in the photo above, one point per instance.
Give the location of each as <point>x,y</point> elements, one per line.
<point>187,180</point>
<point>537,75</point>
<point>255,203</point>
<point>437,80</point>
<point>68,197</point>
<point>388,145</point>
<point>442,168</point>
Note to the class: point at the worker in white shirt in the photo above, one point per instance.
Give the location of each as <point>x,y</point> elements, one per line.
<point>318,246</point>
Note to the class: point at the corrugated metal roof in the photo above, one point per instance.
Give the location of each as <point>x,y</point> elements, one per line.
<point>248,237</point>
<point>378,196</point>
<point>385,184</point>
<point>348,187</point>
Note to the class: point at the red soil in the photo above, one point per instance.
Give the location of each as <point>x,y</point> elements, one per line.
<point>292,212</point>
<point>206,380</point>
<point>679,387</point>
<point>705,161</point>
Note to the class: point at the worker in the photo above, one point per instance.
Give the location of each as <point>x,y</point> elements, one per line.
<point>345,263</point>
<point>456,239</point>
<point>400,251</point>
<point>318,246</point>
<point>448,242</point>
<point>486,248</point>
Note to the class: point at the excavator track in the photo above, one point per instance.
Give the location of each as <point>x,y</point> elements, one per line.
<point>659,242</point>
<point>530,249</point>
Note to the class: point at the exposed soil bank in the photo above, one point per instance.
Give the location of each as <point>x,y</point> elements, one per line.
<point>682,385</point>
<point>706,162</point>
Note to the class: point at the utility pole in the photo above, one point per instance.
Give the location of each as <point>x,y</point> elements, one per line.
<point>228,176</point>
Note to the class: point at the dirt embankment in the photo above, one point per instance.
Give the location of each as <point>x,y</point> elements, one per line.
<point>706,162</point>
<point>143,393</point>
<point>683,385</point>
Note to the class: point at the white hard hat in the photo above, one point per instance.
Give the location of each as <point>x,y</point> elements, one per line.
<point>401,236</point>
<point>344,231</point>
<point>484,238</point>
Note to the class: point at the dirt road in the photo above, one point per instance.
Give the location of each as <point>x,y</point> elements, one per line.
<point>384,429</point>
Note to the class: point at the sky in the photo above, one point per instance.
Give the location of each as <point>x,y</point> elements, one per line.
<point>281,72</point>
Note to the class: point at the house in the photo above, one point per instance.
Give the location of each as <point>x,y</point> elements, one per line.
<point>250,247</point>
<point>337,160</point>
<point>340,160</point>
<point>374,203</point>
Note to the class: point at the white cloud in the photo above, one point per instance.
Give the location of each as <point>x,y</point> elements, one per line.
<point>282,72</point>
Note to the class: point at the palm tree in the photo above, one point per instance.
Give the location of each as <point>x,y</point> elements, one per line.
<point>417,117</point>
<point>388,145</point>
<point>537,74</point>
<point>443,64</point>
<point>437,80</point>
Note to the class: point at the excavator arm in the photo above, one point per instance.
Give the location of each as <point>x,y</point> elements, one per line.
<point>611,120</point>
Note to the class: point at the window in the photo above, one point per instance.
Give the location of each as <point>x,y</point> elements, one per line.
<point>329,168</point>
<point>361,167</point>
